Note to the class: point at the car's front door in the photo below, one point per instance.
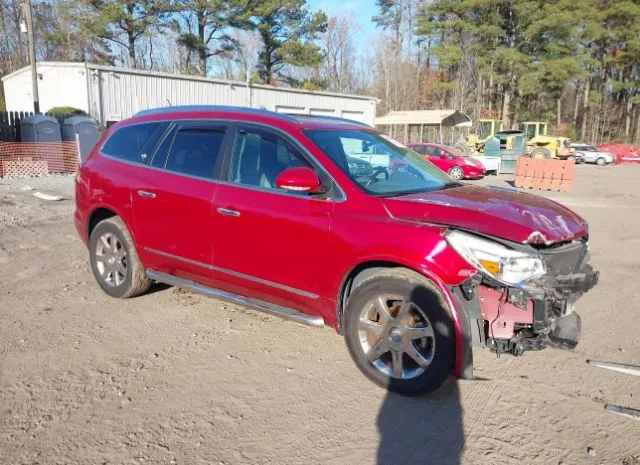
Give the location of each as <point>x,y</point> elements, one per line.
<point>172,200</point>
<point>436,159</point>
<point>270,244</point>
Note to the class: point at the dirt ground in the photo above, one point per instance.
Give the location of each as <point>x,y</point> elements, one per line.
<point>176,378</point>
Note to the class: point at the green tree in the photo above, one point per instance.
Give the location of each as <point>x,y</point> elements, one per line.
<point>125,22</point>
<point>287,29</point>
<point>61,37</point>
<point>204,25</point>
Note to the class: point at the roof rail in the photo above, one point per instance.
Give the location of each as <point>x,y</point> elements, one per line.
<point>330,118</point>
<point>179,108</point>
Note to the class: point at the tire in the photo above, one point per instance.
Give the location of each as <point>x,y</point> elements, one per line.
<point>120,274</point>
<point>368,335</point>
<point>601,161</point>
<point>541,152</point>
<point>571,158</point>
<point>456,173</point>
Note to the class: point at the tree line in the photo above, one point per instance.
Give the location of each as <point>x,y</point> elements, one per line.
<point>575,63</point>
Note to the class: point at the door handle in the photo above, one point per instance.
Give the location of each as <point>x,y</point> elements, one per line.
<point>149,195</point>
<point>227,212</point>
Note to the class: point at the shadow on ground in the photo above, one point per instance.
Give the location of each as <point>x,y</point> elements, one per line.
<point>424,431</point>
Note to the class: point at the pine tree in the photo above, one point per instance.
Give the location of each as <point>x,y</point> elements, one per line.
<point>287,29</point>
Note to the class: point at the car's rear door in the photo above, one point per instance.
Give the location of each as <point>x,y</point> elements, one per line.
<point>172,200</point>
<point>270,244</point>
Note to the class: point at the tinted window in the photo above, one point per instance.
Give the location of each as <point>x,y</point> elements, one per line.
<point>160,157</point>
<point>195,151</point>
<point>420,149</point>
<point>432,151</point>
<point>134,143</point>
<point>259,156</point>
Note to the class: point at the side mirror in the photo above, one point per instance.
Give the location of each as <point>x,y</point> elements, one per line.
<point>299,179</point>
<point>443,155</point>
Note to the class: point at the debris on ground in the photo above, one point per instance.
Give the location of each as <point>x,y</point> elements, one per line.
<point>626,369</point>
<point>48,197</point>
<point>628,412</point>
<point>621,367</point>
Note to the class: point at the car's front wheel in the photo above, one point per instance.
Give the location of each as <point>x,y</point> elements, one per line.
<point>456,173</point>
<point>601,161</point>
<point>114,261</point>
<point>400,333</point>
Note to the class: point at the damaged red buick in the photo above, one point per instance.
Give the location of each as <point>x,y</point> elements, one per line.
<point>326,221</point>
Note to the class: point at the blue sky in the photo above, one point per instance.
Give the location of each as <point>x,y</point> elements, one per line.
<point>362,11</point>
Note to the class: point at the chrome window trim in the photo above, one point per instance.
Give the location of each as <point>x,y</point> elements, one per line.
<point>342,197</point>
<point>237,274</point>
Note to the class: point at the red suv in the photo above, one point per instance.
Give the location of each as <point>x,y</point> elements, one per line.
<point>267,210</point>
<point>449,160</point>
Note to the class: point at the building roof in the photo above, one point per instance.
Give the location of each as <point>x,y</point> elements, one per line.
<point>184,77</point>
<point>425,117</point>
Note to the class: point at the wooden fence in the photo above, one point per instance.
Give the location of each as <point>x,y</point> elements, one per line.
<point>10,125</point>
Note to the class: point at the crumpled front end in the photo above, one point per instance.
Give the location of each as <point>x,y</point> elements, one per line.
<point>536,313</point>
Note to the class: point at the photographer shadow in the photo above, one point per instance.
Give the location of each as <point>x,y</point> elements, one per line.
<point>423,430</point>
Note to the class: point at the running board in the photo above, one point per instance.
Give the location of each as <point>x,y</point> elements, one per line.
<point>272,309</point>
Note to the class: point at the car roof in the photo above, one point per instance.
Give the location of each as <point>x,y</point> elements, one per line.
<point>301,121</point>
<point>431,144</point>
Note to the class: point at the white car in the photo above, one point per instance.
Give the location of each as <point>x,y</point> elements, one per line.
<point>589,154</point>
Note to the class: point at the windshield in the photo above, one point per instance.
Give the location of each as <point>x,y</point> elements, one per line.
<point>392,169</point>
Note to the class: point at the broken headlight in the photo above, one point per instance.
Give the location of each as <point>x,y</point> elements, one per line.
<point>508,266</point>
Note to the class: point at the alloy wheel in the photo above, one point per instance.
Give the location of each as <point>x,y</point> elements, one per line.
<point>455,173</point>
<point>396,337</point>
<point>111,260</point>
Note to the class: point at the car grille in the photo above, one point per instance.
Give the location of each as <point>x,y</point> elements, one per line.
<point>565,259</point>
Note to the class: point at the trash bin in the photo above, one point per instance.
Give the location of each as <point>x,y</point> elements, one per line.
<point>509,146</point>
<point>86,130</point>
<point>40,128</point>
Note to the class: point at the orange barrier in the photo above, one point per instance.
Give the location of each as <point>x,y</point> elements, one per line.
<point>21,159</point>
<point>541,174</point>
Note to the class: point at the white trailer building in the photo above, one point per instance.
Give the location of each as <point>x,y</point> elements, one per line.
<point>110,94</point>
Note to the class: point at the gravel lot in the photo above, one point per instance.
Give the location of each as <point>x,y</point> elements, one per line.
<point>176,378</point>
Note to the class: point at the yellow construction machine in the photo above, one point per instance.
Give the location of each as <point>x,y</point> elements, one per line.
<point>540,144</point>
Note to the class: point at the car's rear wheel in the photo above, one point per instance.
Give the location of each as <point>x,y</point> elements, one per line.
<point>400,333</point>
<point>601,161</point>
<point>456,173</point>
<point>114,261</point>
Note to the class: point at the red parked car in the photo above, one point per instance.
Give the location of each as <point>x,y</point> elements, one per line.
<point>270,211</point>
<point>449,160</point>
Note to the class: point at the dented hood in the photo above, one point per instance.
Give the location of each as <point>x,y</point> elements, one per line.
<point>502,213</point>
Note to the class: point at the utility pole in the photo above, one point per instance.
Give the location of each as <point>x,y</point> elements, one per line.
<point>32,55</point>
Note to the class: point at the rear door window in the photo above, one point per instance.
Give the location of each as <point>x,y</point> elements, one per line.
<point>195,150</point>
<point>134,143</point>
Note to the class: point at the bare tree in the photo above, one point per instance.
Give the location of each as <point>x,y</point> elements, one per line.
<point>339,51</point>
